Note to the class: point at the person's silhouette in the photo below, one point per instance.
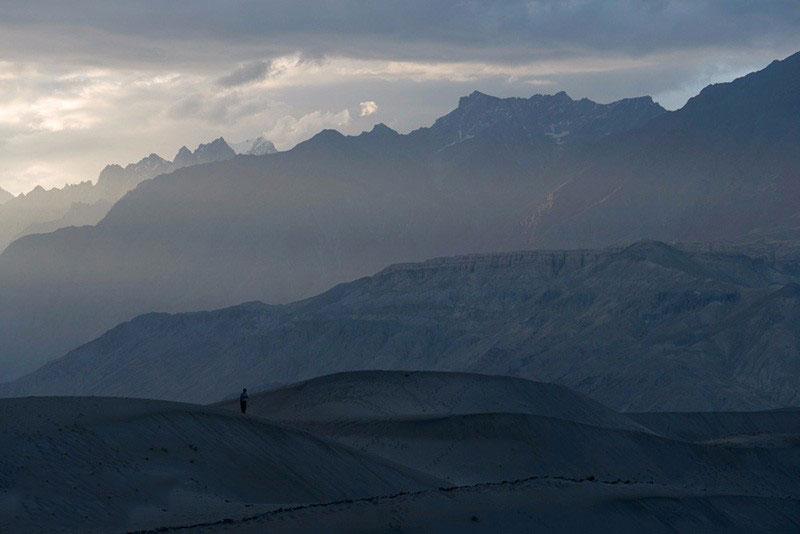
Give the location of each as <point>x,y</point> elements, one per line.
<point>243,400</point>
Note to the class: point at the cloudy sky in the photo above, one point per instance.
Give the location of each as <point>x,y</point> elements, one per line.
<point>85,83</point>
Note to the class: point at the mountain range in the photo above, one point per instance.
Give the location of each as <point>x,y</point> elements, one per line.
<point>120,180</point>
<point>649,327</point>
<point>723,167</point>
<point>257,146</point>
<point>46,210</point>
<point>494,175</point>
<point>292,224</point>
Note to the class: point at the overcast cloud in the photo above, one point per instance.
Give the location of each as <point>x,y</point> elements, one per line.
<point>85,83</point>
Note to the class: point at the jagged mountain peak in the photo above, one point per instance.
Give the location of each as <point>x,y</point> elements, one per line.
<point>475,97</point>
<point>184,150</point>
<point>258,146</point>
<point>115,177</point>
<point>119,180</point>
<point>640,101</point>
<point>380,130</point>
<point>332,141</point>
<point>557,118</point>
<point>219,142</point>
<point>183,157</point>
<point>216,150</point>
<point>152,157</point>
<point>149,161</point>
<point>542,119</point>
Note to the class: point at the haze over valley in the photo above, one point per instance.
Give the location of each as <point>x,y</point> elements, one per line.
<point>493,175</point>
<point>493,267</point>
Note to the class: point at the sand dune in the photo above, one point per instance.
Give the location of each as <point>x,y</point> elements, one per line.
<point>540,505</point>
<point>115,464</point>
<point>393,451</point>
<point>701,426</point>
<point>371,394</point>
<point>469,428</point>
<point>670,472</point>
<point>467,449</point>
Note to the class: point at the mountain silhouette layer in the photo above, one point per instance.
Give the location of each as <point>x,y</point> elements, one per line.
<point>494,175</point>
<point>292,224</point>
<point>46,210</point>
<point>650,327</point>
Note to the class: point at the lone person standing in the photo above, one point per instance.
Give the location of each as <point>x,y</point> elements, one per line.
<point>243,400</point>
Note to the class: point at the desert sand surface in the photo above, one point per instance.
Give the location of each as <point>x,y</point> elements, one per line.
<point>110,464</point>
<point>393,452</point>
<point>386,394</point>
<point>699,426</point>
<point>538,505</point>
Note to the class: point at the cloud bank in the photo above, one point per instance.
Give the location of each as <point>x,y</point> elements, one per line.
<point>90,82</point>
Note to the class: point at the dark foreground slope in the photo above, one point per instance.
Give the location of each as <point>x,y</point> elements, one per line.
<point>418,451</point>
<point>111,464</point>
<point>647,327</point>
<point>518,471</point>
<point>710,426</point>
<point>540,505</point>
<point>440,423</point>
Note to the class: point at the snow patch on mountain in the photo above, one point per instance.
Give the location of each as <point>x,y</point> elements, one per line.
<point>254,147</point>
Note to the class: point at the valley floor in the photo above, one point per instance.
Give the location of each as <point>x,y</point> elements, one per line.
<point>542,504</point>
<point>394,452</point>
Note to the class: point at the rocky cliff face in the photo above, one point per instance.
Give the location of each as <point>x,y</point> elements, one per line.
<point>557,119</point>
<point>647,327</point>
